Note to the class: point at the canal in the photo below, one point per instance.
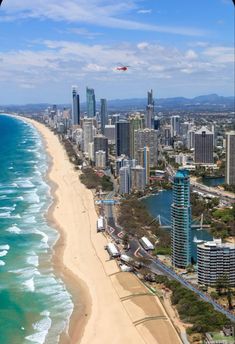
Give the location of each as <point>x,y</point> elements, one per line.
<point>160,204</point>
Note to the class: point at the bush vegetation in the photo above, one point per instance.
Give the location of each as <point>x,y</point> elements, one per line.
<point>192,309</point>
<point>93,181</point>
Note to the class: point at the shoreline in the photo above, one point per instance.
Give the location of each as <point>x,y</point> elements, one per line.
<point>98,314</point>
<point>76,323</point>
<point>75,286</point>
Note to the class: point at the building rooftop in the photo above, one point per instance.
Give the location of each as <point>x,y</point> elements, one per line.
<point>217,243</point>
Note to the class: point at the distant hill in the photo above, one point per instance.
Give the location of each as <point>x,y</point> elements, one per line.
<point>210,102</point>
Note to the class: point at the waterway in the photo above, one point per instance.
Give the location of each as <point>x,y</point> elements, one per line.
<point>160,204</point>
<point>213,181</point>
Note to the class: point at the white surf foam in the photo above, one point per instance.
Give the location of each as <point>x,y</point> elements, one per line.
<point>3,253</point>
<point>14,229</point>
<point>2,263</point>
<point>19,198</point>
<point>42,327</point>
<point>29,284</point>
<point>32,259</point>
<point>4,247</point>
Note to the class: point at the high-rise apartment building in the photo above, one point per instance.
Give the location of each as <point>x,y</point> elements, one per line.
<point>124,180</point>
<point>75,106</point>
<point>181,220</point>
<point>175,126</point>
<point>149,110</point>
<point>215,260</point>
<point>103,114</point>
<point>204,146</point>
<point>100,159</point>
<point>147,138</point>
<point>144,161</point>
<point>167,136</point>
<point>230,158</point>
<point>90,101</point>
<point>122,138</point>
<point>136,122</point>
<point>88,133</point>
<point>138,178</point>
<point>101,144</point>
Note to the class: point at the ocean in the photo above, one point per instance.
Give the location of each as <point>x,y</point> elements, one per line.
<point>35,305</point>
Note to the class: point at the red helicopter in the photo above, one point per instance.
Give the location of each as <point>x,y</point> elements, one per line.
<point>123,68</point>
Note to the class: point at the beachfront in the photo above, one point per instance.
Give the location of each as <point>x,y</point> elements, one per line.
<point>101,315</point>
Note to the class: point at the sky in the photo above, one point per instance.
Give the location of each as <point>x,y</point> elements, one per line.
<point>177,48</point>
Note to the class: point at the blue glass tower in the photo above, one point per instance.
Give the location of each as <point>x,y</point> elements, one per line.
<point>90,101</point>
<point>181,221</point>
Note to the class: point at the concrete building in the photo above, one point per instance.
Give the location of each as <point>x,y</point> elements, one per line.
<point>138,178</point>
<point>147,138</point>
<point>149,110</point>
<point>100,159</point>
<point>109,132</point>
<point>124,180</point>
<point>122,138</point>
<point>181,220</point>
<point>167,140</point>
<point>103,114</point>
<point>101,144</point>
<point>90,152</point>
<point>88,133</point>
<point>75,106</point>
<point>90,102</point>
<point>191,139</point>
<point>175,126</point>
<point>230,158</point>
<point>156,123</point>
<point>215,260</point>
<point>204,146</point>
<point>144,161</point>
<point>136,122</point>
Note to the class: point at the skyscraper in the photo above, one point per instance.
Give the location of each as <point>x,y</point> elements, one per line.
<point>144,161</point>
<point>88,133</point>
<point>90,101</point>
<point>138,178</point>
<point>230,158</point>
<point>149,110</point>
<point>75,106</point>
<point>124,180</point>
<point>175,126</point>
<point>147,138</point>
<point>101,144</point>
<point>103,114</point>
<point>181,220</point>
<point>136,122</point>
<point>122,138</point>
<point>204,146</point>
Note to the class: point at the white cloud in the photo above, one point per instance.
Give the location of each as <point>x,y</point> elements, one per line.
<point>190,55</point>
<point>220,54</point>
<point>58,63</point>
<point>105,13</point>
<point>144,11</point>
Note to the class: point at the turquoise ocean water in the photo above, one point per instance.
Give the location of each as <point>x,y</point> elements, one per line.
<point>34,304</point>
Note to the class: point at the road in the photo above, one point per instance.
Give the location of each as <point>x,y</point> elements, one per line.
<point>155,265</point>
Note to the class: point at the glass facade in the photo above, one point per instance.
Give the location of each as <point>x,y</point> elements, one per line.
<point>181,220</point>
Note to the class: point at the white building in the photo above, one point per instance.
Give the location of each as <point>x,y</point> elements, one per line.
<point>88,133</point>
<point>215,260</point>
<point>124,180</point>
<point>100,159</point>
<point>138,178</point>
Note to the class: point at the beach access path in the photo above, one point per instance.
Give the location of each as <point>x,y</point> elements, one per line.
<point>101,315</point>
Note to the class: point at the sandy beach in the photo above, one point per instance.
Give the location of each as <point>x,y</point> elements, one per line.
<point>101,314</point>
